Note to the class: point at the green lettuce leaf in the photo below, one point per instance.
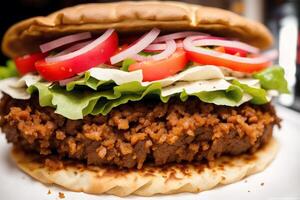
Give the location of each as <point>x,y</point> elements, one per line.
<point>9,70</point>
<point>86,81</point>
<point>230,97</point>
<point>88,95</point>
<point>272,78</point>
<point>45,95</point>
<point>259,95</point>
<point>147,53</point>
<point>126,63</point>
<point>76,104</point>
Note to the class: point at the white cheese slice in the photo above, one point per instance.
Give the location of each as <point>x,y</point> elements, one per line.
<point>14,92</point>
<point>196,73</point>
<point>196,86</point>
<point>16,87</point>
<point>204,85</point>
<point>245,98</point>
<point>116,75</point>
<point>27,80</point>
<point>229,72</point>
<point>247,81</point>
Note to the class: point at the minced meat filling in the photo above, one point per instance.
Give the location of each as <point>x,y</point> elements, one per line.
<point>140,132</point>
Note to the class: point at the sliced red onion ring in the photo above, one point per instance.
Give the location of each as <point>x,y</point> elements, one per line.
<point>73,48</point>
<point>189,45</point>
<point>145,41</point>
<point>271,54</point>
<point>161,46</point>
<point>64,40</point>
<point>169,50</point>
<point>175,36</point>
<point>156,47</point>
<point>225,43</point>
<point>85,49</point>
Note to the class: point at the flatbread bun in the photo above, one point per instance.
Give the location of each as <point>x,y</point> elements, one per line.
<point>151,180</point>
<point>132,17</point>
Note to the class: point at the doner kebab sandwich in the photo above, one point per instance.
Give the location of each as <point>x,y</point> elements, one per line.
<point>140,98</point>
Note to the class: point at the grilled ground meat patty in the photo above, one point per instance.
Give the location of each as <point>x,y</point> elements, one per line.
<point>140,132</point>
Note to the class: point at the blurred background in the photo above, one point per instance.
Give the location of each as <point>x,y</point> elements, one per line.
<point>281,16</point>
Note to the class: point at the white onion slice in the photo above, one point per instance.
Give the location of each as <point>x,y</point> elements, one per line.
<point>145,40</point>
<point>225,43</point>
<point>175,36</point>
<point>169,50</point>
<point>64,40</point>
<point>156,47</point>
<point>73,48</point>
<point>188,45</point>
<point>83,50</point>
<point>161,46</point>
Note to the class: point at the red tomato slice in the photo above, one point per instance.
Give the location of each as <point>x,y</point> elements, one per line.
<point>120,49</point>
<point>235,51</point>
<point>56,71</point>
<point>159,69</point>
<point>234,65</point>
<point>232,51</point>
<point>25,64</point>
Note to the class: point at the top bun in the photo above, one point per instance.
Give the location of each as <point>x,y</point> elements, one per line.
<point>25,36</point>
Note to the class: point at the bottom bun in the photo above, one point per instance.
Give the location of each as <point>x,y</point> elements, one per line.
<point>149,181</point>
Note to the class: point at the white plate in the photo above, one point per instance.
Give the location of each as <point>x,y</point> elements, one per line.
<point>281,180</point>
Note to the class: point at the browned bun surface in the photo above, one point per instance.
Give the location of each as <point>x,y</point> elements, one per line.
<point>148,181</point>
<point>26,36</point>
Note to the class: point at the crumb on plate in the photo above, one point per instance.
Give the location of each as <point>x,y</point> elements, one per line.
<point>61,195</point>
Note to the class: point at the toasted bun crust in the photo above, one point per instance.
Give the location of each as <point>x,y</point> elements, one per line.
<point>25,36</point>
<point>150,180</point>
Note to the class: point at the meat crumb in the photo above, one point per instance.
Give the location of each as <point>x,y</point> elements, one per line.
<point>61,195</point>
<point>101,152</point>
<point>49,192</point>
